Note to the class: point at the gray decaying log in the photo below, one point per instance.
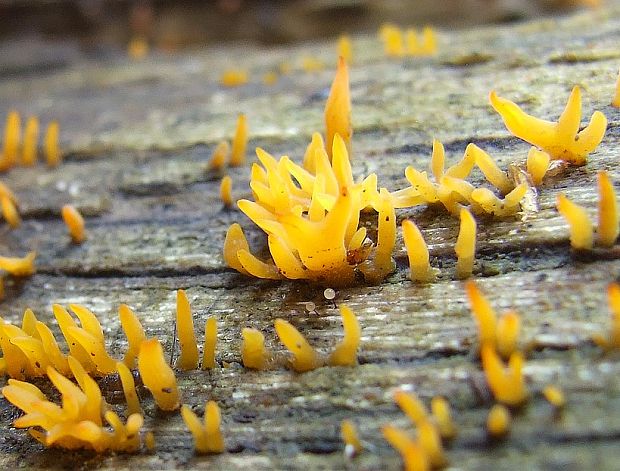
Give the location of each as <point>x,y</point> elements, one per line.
<point>138,137</point>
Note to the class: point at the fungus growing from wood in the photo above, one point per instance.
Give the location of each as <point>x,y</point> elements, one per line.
<point>554,396</point>
<point>338,109</point>
<point>129,389</point>
<point>17,266</point>
<point>345,48</point>
<point>305,357</point>
<point>506,382</point>
<point>157,376</point>
<point>498,421</point>
<point>441,413</point>
<point>561,140</point>
<point>537,165</point>
<point>208,354</point>
<point>345,353</point>
<point>465,247</point>
<point>239,142</point>
<point>74,222</point>
<point>31,136</point>
<point>417,252</point>
<point>253,352</point>
<point>414,457</point>
<point>219,156</point>
<point>53,155</point>
<point>207,436</point>
<point>133,331</point>
<point>348,433</point>
<point>612,341</point>
<point>616,99</point>
<point>226,191</point>
<point>392,38</point>
<point>12,139</point>
<point>608,228</point>
<point>188,360</point>
<point>234,78</point>
<point>9,212</point>
<point>490,170</point>
<point>580,225</point>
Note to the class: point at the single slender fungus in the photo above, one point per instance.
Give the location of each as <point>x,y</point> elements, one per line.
<point>31,135</point>
<point>12,138</point>
<point>50,145</point>
<point>580,225</point>
<point>411,405</point>
<point>345,353</point>
<point>616,99</point>
<point>561,140</point>
<point>270,78</point>
<point>507,335</point>
<point>491,171</point>
<point>9,212</point>
<point>338,109</point>
<point>441,413</point>
<point>234,78</point>
<point>417,251</point>
<point>348,433</point>
<point>537,165</point>
<point>608,228</point>
<point>207,437</point>
<point>240,142</point>
<point>74,222</point>
<point>414,457</point>
<point>465,247</point>
<point>208,354</point>
<point>226,191</point>
<point>507,384</point>
<point>219,156</point>
<point>5,191</point>
<point>554,396</point>
<point>305,357</point>
<point>312,64</point>
<point>253,352</point>
<point>19,266</point>
<point>429,41</point>
<point>392,38</point>
<point>133,331</point>
<point>345,49</point>
<point>129,389</point>
<point>611,342</point>
<point>188,360</point>
<point>412,43</point>
<point>157,376</point>
<point>235,241</point>
<point>76,350</point>
<point>498,421</point>
<point>149,441</point>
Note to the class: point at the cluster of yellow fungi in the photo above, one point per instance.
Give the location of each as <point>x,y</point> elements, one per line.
<point>397,44</point>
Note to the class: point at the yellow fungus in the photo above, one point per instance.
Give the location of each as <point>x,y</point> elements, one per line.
<point>208,436</point>
<point>616,99</point>
<point>157,376</point>
<point>75,223</point>
<point>234,78</point>
<point>133,331</point>
<point>555,396</point>
<point>392,38</point>
<point>429,41</point>
<point>491,171</point>
<point>345,49</point>
<point>270,78</point>
<point>580,225</point>
<point>17,363</point>
<point>506,383</point>
<point>561,140</point>
<point>129,389</point>
<point>234,242</point>
<point>498,421</point>
<point>208,354</point>
<point>19,266</point>
<point>5,192</point>
<point>253,352</point>
<point>50,145</point>
<point>226,191</point>
<point>411,405</point>
<point>12,138</point>
<point>305,357</point>
<point>345,353</point>
<point>414,457</point>
<point>417,251</point>
<point>219,156</point>
<point>465,247</point>
<point>312,64</point>
<point>9,212</point>
<point>491,204</point>
<point>382,264</point>
<point>507,335</point>
<point>188,360</point>
<point>348,433</point>
<point>612,341</point>
<point>441,413</point>
<point>608,228</point>
<point>338,109</point>
<point>240,142</point>
<point>537,165</point>
<point>57,359</point>
<point>149,441</point>
<point>412,42</point>
<point>29,148</point>
<point>66,322</point>
<point>138,48</point>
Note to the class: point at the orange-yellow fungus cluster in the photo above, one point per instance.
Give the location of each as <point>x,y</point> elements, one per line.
<point>234,155</point>
<point>580,224</point>
<point>208,436</point>
<point>498,421</point>
<point>77,422</point>
<point>612,341</point>
<point>440,409</point>
<point>75,223</point>
<point>395,44</point>
<point>465,247</point>
<point>219,157</point>
<point>561,140</point>
<point>17,266</point>
<point>157,376</point>
<point>348,433</point>
<point>234,78</point>
<point>414,457</point>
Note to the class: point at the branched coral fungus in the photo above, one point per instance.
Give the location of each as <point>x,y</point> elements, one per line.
<point>506,383</point>
<point>208,436</point>
<point>561,140</point>
<point>412,453</point>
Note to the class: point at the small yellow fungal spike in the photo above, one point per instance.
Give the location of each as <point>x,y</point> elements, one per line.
<point>138,48</point>
<point>417,251</point>
<point>616,99</point>
<point>95,348</point>
<point>429,41</point>
<point>19,266</point>
<point>253,353</point>
<point>508,327</point>
<point>613,340</point>
<point>157,376</point>
<point>561,140</point>
<point>498,421</point>
<point>412,42</point>
<point>555,396</point>
<point>580,225</point>
<point>240,142</point>
<point>411,405</point>
<point>537,165</point>
<point>608,228</point>
<point>66,323</point>
<point>234,242</point>
<point>310,155</point>
<point>382,264</point>
<point>208,354</point>
<point>345,353</point>
<point>491,171</point>
<point>219,156</point>
<point>348,433</point>
<point>133,331</point>
<point>465,247</point>
<point>441,413</point>
<point>31,135</point>
<point>9,212</point>
<point>5,192</point>
<point>345,49</point>
<point>507,384</point>
<point>50,145</point>
<point>430,441</point>
<point>207,437</point>
<point>305,357</point>
<point>270,78</point>
<point>414,457</point>
<point>129,389</point>
<point>149,441</point>
<point>75,223</point>
<point>312,64</point>
<point>226,191</point>
<point>12,138</point>
<point>338,109</point>
<point>234,78</point>
<point>188,360</point>
<point>57,359</point>
<point>438,160</point>
<point>392,38</point>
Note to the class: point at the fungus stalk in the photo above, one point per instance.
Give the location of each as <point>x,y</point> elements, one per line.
<point>507,384</point>
<point>608,228</point>
<point>348,433</point>
<point>226,191</point>
<point>465,245</point>
<point>417,251</point>
<point>31,135</point>
<point>207,436</point>
<point>305,357</point>
<point>157,376</point>
<point>580,225</point>
<point>338,109</point>
<point>74,222</point>
<point>208,354</point>
<point>345,353</point>
<point>129,389</point>
<point>414,457</point>
<point>219,156</point>
<point>537,165</point>
<point>253,352</point>
<point>498,421</point>
<point>12,138</point>
<point>50,145</point>
<point>240,142</point>
<point>188,360</point>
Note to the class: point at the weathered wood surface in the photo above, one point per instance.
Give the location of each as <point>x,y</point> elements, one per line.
<point>139,136</point>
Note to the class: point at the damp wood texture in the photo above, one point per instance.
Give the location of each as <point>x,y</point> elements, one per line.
<point>137,139</point>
